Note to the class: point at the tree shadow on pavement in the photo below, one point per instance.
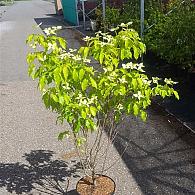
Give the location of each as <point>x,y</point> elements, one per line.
<point>160,158</point>
<point>42,173</point>
<point>51,20</point>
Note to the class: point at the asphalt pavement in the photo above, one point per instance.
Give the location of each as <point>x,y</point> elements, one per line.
<point>159,155</point>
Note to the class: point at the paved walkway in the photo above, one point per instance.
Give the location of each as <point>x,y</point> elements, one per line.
<point>159,157</point>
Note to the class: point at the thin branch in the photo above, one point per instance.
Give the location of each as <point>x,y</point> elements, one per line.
<point>77,149</point>
<point>105,170</point>
<point>111,137</point>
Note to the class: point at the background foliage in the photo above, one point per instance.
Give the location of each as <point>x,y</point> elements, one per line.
<point>172,37</point>
<point>169,28</point>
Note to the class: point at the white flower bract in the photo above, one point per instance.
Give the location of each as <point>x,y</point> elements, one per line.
<point>138,95</point>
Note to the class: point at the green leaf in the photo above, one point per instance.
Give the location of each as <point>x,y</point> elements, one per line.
<point>107,92</point>
<point>163,93</point>
<point>122,54</point>
<point>135,52</point>
<point>61,100</point>
<point>77,126</point>
<point>54,97</point>
<point>110,68</point>
<point>46,100</point>
<point>139,81</point>
<point>176,94</point>
<point>67,98</point>
<point>142,47</point>
<point>84,84</point>
<point>90,124</point>
<point>117,117</point>
<point>87,123</point>
<point>101,58</point>
<point>57,78</point>
<point>134,83</point>
<point>116,92</point>
<point>65,72</point>
<point>81,50</point>
<point>70,118</point>
<point>83,114</point>
<point>126,43</point>
<point>80,141</point>
<point>135,109</point>
<point>115,62</point>
<point>42,83</point>
<point>123,90</point>
<point>42,41</point>
<point>145,104</point>
<point>93,110</point>
<point>128,54</point>
<point>40,57</point>
<point>62,42</point>
<point>143,115</point>
<point>147,93</point>
<point>93,82</point>
<point>31,70</point>
<point>30,38</point>
<point>75,75</point>
<point>86,52</point>
<point>63,134</point>
<point>129,107</point>
<point>30,58</point>
<point>81,74</point>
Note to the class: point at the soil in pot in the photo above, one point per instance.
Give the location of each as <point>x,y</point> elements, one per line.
<point>103,186</point>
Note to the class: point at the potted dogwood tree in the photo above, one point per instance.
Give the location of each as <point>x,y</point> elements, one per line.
<point>93,100</point>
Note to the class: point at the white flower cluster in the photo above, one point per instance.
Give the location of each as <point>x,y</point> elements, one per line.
<point>122,80</point>
<point>138,95</point>
<point>126,25</point>
<point>51,30</point>
<point>114,29</point>
<point>72,50</point>
<point>87,38</point>
<point>92,99</point>
<point>52,46</point>
<point>86,60</point>
<point>122,25</point>
<point>120,106</point>
<point>155,80</point>
<point>34,45</point>
<point>79,58</point>
<point>66,86</point>
<point>66,54</point>
<point>76,58</point>
<point>146,81</point>
<point>83,101</point>
<point>134,66</point>
<point>108,38</point>
<point>112,76</point>
<point>169,81</point>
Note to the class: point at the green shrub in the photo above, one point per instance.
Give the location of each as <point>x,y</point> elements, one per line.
<point>130,11</point>
<point>172,37</point>
<point>94,100</point>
